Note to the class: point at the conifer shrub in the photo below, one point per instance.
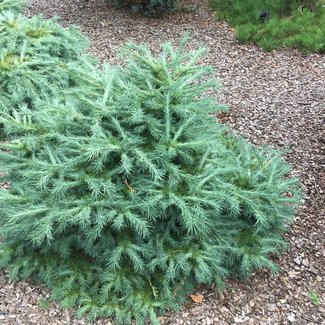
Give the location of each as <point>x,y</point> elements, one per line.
<point>125,193</point>
<point>296,24</point>
<point>151,8</point>
<point>38,58</point>
<point>12,5</point>
<point>41,35</point>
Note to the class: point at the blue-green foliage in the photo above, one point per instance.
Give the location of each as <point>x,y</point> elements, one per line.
<point>37,59</point>
<point>124,191</point>
<point>11,5</point>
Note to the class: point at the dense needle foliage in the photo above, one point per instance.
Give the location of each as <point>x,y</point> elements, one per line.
<point>124,191</point>
<point>295,23</point>
<point>37,59</point>
<point>12,5</point>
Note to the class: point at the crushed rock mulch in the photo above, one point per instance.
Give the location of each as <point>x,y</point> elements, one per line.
<point>275,99</point>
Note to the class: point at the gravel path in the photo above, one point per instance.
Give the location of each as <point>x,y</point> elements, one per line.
<point>275,98</point>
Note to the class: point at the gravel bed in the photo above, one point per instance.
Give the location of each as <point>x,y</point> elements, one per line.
<point>276,99</point>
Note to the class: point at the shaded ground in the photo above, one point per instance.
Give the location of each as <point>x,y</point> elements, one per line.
<point>275,98</point>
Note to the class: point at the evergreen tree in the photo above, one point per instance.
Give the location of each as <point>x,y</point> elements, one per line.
<point>125,193</point>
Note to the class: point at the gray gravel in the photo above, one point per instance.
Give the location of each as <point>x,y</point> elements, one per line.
<point>277,99</point>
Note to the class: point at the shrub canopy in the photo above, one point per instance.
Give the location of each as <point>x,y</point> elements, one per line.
<point>124,191</point>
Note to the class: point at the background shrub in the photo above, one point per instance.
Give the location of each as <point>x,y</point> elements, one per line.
<point>298,24</point>
<point>148,7</point>
<point>125,193</point>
